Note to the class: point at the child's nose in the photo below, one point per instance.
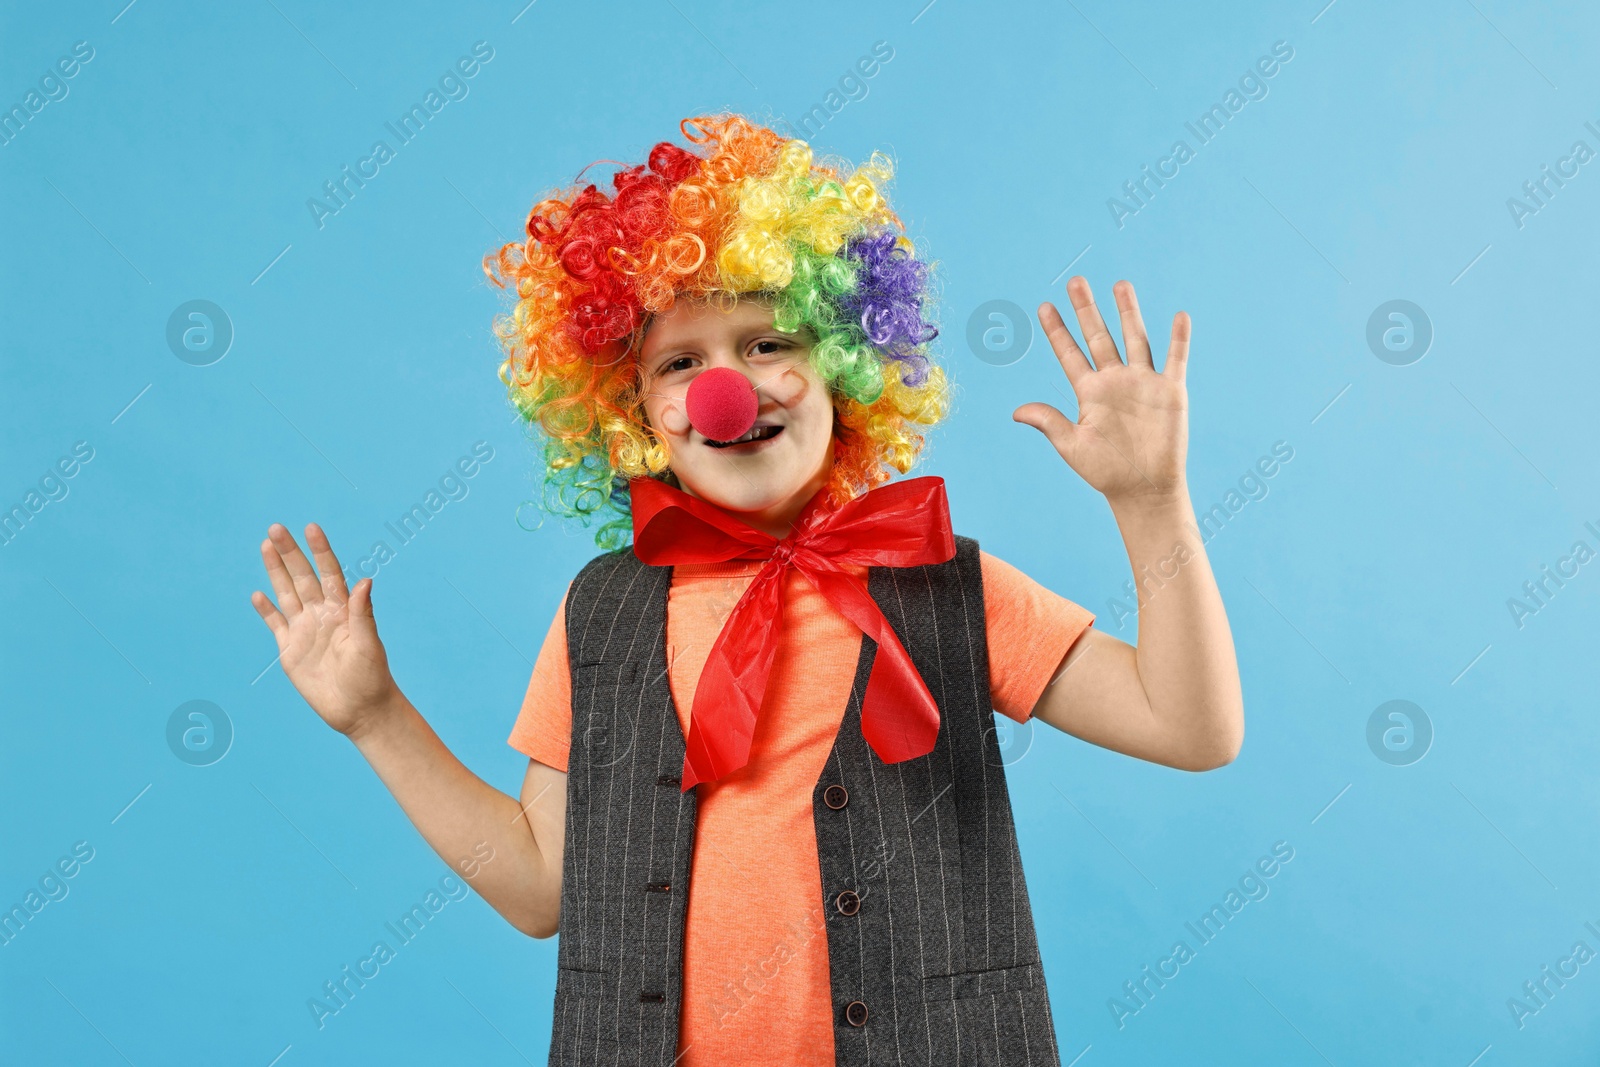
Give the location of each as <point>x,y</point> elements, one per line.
<point>721,403</point>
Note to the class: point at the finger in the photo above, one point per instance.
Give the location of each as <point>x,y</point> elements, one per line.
<point>327,564</point>
<point>1134,341</point>
<point>270,615</point>
<point>1068,354</point>
<point>305,579</point>
<point>1178,350</point>
<point>1102,346</point>
<point>282,583</point>
<point>1061,431</point>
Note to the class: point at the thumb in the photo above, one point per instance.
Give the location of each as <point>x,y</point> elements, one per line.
<point>361,621</point>
<point>1061,431</point>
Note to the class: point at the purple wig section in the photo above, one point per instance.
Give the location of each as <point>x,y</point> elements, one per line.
<point>887,301</point>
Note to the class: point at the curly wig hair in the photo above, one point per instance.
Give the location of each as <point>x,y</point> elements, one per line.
<point>744,211</point>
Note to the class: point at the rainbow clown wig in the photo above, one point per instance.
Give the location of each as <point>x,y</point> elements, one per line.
<point>744,211</point>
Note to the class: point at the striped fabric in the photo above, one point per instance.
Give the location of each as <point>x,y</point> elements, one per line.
<point>931,943</point>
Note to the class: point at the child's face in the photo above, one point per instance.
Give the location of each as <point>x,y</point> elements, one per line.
<point>767,481</point>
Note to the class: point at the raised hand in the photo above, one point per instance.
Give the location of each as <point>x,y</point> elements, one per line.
<point>327,638</point>
<point>1132,432</point>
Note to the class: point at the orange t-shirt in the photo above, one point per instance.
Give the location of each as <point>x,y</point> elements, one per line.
<point>755,898</point>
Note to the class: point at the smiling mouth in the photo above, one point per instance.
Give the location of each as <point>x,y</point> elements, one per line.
<point>756,433</point>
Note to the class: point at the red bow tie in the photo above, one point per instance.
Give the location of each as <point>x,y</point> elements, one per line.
<point>902,524</point>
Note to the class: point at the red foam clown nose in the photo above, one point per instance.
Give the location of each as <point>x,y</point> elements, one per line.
<point>721,404</point>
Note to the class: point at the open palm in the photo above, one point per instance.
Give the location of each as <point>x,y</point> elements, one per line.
<point>327,637</point>
<point>1132,431</point>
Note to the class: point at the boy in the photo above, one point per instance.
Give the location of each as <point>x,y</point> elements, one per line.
<point>765,809</point>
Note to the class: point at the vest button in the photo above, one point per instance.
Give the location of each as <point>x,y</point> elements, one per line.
<point>651,998</point>
<point>657,887</point>
<point>667,779</point>
<point>847,903</point>
<point>836,796</point>
<point>855,1013</point>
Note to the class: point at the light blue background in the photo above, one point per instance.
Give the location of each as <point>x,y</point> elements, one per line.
<point>1377,568</point>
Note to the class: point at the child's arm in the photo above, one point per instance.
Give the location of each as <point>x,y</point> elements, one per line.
<point>328,642</point>
<point>1175,699</point>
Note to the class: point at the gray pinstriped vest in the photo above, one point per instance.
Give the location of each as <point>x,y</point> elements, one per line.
<point>931,948</point>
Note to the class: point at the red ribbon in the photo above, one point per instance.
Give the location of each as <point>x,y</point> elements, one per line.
<point>902,524</point>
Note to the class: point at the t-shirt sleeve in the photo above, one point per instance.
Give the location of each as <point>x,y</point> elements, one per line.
<point>1029,630</point>
<point>543,730</point>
